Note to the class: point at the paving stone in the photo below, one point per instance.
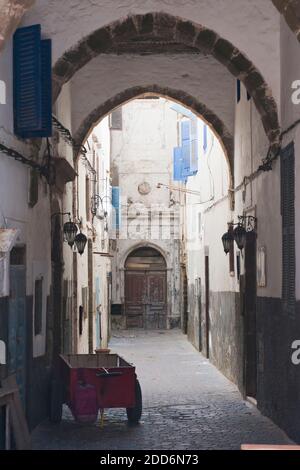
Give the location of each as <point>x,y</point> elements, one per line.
<point>182,409</point>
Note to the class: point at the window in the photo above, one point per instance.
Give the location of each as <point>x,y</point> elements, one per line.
<point>115,119</point>
<point>238,91</point>
<point>38,306</point>
<point>18,256</point>
<point>231,256</point>
<point>88,199</point>
<point>205,138</point>
<point>80,323</point>
<point>288,227</point>
<point>238,266</point>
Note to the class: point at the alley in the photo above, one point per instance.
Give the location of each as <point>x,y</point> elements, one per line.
<point>188,404</point>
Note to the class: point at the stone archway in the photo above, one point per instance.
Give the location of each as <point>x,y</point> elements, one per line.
<point>216,124</point>
<point>290,9</point>
<point>155,27</point>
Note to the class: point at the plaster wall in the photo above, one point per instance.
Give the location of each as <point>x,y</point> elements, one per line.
<point>181,72</point>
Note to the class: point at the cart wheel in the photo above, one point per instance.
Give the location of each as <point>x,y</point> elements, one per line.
<point>134,414</point>
<point>56,401</point>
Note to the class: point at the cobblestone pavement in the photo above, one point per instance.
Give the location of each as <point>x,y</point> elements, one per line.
<point>188,405</point>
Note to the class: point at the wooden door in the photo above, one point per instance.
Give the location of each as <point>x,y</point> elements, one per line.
<point>155,312</point>
<point>250,359</point>
<point>135,299</point>
<point>145,299</point>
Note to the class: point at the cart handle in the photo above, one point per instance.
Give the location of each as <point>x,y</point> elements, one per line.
<point>106,374</point>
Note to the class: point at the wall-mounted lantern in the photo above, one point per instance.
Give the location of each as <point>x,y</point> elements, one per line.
<point>80,242</point>
<point>70,230</point>
<point>95,200</point>
<point>245,224</point>
<point>228,239</point>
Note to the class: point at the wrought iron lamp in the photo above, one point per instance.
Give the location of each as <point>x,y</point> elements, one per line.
<point>246,223</point>
<point>70,230</point>
<point>95,205</point>
<point>80,242</point>
<point>228,240</point>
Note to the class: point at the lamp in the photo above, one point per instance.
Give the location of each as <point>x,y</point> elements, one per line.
<point>95,204</point>
<point>245,224</point>
<point>240,235</point>
<point>80,242</point>
<point>70,230</point>
<point>228,240</point>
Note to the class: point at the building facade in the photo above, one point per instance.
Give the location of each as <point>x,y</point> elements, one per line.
<point>237,68</point>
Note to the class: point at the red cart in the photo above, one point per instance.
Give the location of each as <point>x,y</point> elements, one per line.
<point>88,383</point>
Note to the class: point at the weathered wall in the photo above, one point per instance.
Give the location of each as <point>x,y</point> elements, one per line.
<point>11,13</point>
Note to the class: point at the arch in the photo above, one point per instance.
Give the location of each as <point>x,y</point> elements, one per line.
<point>143,244</point>
<point>159,26</point>
<point>214,122</point>
<point>290,9</point>
<point>146,289</point>
<point>146,251</point>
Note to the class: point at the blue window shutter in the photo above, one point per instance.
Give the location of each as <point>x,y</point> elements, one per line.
<point>194,146</point>
<point>46,81</point>
<point>186,148</point>
<point>185,130</point>
<point>178,165</point>
<point>27,79</point>
<point>204,137</point>
<point>115,197</point>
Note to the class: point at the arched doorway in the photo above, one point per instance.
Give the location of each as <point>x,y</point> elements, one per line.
<point>146,289</point>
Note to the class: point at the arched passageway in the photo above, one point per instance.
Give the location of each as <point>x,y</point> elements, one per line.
<point>151,28</point>
<point>145,289</point>
<point>199,109</point>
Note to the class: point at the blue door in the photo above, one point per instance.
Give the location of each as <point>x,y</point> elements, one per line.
<point>17,327</point>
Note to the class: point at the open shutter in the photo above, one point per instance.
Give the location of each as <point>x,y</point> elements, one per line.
<point>194,146</point>
<point>115,197</point>
<point>288,227</point>
<point>116,119</point>
<point>46,82</point>
<point>186,147</point>
<point>27,79</point>
<point>178,165</point>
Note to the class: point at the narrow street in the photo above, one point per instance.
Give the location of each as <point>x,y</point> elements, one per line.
<point>188,404</point>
